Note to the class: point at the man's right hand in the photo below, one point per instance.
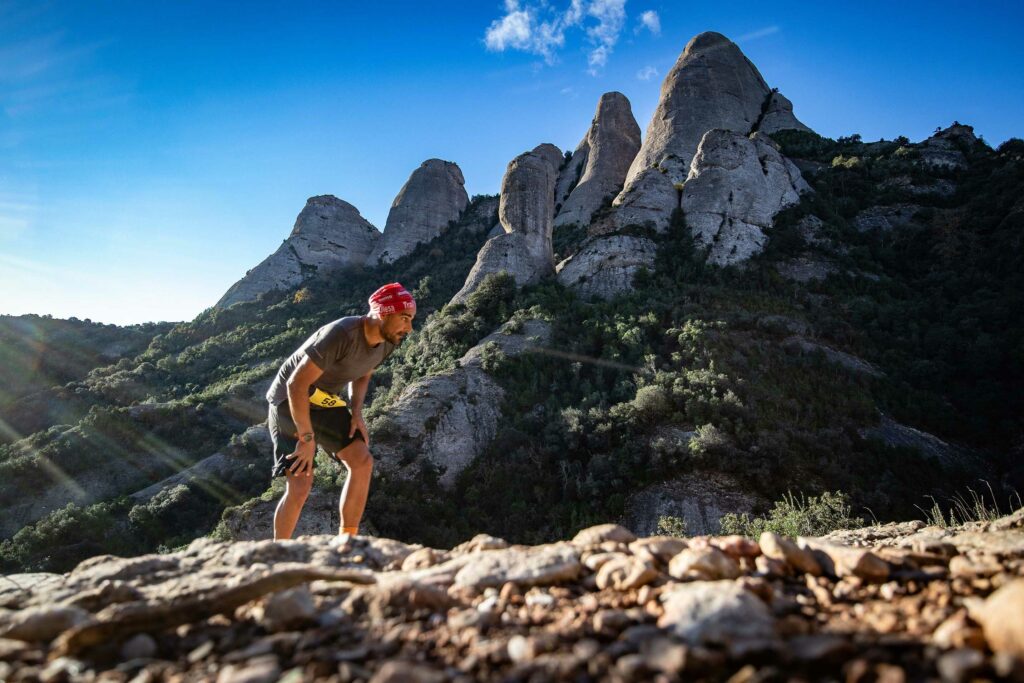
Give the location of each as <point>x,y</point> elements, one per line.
<point>303,457</point>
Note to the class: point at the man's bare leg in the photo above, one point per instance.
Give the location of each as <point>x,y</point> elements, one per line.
<point>359,462</point>
<point>286,516</point>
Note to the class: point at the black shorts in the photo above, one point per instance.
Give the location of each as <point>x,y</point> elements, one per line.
<point>330,430</point>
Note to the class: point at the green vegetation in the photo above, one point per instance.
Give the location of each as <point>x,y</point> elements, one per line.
<point>669,525</point>
<point>695,349</point>
<point>972,506</point>
<point>797,516</point>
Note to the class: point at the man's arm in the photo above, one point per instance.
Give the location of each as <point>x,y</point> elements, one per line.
<point>359,387</point>
<point>302,378</point>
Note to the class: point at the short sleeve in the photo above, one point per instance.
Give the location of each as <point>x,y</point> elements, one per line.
<point>328,345</point>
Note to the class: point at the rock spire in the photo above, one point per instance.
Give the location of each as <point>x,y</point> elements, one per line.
<point>712,86</point>
<point>329,234</point>
<point>433,196</point>
<point>597,169</point>
<point>526,211</point>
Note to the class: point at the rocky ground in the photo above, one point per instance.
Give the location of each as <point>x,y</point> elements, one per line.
<point>891,603</point>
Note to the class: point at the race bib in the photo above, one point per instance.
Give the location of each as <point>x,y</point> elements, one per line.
<point>321,398</point>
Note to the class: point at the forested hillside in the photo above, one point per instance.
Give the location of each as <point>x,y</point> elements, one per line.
<point>790,372</point>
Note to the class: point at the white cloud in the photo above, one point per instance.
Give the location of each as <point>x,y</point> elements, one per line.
<point>611,16</point>
<point>759,33</point>
<point>647,73</point>
<point>511,31</point>
<point>539,28</point>
<point>650,21</point>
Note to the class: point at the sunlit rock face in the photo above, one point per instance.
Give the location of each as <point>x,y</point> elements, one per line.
<point>735,187</point>
<point>434,196</point>
<point>604,267</point>
<point>598,167</point>
<point>525,210</point>
<point>712,86</point>
<point>329,234</point>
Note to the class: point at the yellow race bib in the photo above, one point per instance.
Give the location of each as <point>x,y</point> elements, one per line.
<point>321,398</point>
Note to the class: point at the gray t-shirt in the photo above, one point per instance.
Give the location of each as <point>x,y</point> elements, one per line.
<point>340,350</point>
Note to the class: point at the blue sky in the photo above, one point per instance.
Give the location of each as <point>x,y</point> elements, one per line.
<point>151,153</point>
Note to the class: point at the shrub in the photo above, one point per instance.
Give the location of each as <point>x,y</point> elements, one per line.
<point>793,516</point>
<point>669,525</point>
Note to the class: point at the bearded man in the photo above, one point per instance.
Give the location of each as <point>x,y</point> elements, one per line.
<point>316,399</point>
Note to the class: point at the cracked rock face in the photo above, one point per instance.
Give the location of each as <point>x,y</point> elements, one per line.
<point>712,85</point>
<point>329,234</point>
<point>433,196</point>
<point>735,187</point>
<point>449,419</point>
<point>605,266</point>
<point>526,211</point>
<point>600,161</point>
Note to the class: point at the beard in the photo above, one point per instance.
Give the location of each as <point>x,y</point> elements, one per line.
<point>393,338</point>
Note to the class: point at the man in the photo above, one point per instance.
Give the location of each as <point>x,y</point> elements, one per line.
<point>307,409</point>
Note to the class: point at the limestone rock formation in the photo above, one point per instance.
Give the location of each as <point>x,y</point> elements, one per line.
<point>945,148</point>
<point>712,86</point>
<point>329,234</point>
<point>893,602</point>
<point>600,161</point>
<point>526,211</point>
<point>433,196</point>
<point>605,266</point>
<point>735,187</point>
<point>778,115</point>
<point>700,498</point>
<point>448,419</point>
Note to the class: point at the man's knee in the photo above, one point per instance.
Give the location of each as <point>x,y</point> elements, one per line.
<point>299,486</point>
<point>357,456</point>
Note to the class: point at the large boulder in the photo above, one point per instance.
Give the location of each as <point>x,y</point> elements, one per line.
<point>447,420</point>
<point>597,169</point>
<point>329,234</point>
<point>526,211</point>
<point>736,186</point>
<point>433,197</point>
<point>605,266</point>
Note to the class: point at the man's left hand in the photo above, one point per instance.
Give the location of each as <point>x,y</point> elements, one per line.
<point>357,424</point>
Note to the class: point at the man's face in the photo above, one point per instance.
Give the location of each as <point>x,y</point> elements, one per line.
<point>396,326</point>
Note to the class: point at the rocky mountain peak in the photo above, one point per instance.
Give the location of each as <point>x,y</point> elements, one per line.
<point>712,86</point>
<point>322,213</point>
<point>598,167</point>
<point>957,131</point>
<point>329,234</point>
<point>434,195</point>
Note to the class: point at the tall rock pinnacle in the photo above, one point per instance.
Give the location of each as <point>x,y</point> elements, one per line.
<point>526,211</point>
<point>598,167</point>
<point>712,86</point>
<point>433,196</point>
<point>329,234</point>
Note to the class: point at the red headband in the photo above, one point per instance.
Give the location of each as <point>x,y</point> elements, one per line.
<point>391,299</point>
